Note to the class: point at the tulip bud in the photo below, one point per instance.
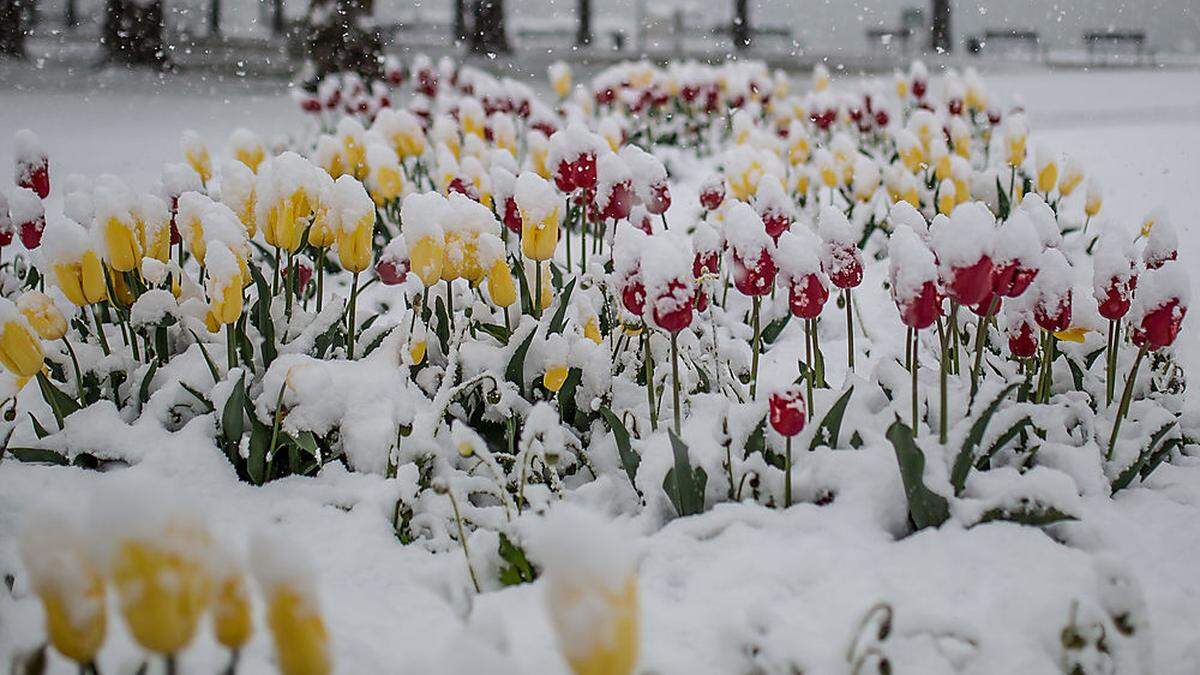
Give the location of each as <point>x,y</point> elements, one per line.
<point>712,192</point>
<point>41,312</point>
<point>1052,308</point>
<point>393,264</point>
<point>292,611</point>
<point>787,411</point>
<point>224,283</point>
<point>232,621</point>
<point>20,350</point>
<point>962,244</point>
<point>28,216</point>
<point>68,582</point>
<point>501,286</point>
<point>539,216</point>
<point>591,329</point>
<point>196,155</point>
<point>32,167</point>
<point>356,224</point>
<point>1022,340</point>
<point>1163,296</point>
<point>591,591</point>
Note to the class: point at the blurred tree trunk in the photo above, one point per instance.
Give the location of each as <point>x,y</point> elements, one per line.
<point>583,11</point>
<point>939,37</point>
<point>12,29</point>
<point>277,17</point>
<point>740,30</point>
<point>338,42</point>
<point>214,18</point>
<point>133,33</point>
<point>460,21</point>
<point>71,15</point>
<point>488,35</point>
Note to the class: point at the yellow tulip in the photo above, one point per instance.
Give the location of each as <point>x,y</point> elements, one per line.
<point>321,234</point>
<point>123,294</point>
<point>1047,176</point>
<point>913,157</point>
<point>1070,179</point>
<point>41,312</point>
<point>251,156</point>
<point>20,350</point>
<point>426,256</point>
<point>799,151</point>
<point>560,78</point>
<point>745,184</point>
<point>198,158</point>
<point>163,589</point>
<point>301,640</point>
<point>232,622</point>
<point>124,250</point>
<point>591,330</point>
<point>1092,205</point>
<point>82,281</point>
<point>416,352</point>
<point>386,184</point>
<point>1072,334</point>
<point>554,377</point>
<point>539,238</point>
<point>354,246</point>
<point>946,197</point>
<point>69,585</point>
<point>1015,144</point>
<point>501,285</point>
<point>619,653</point>
<point>225,301</point>
<point>286,221</point>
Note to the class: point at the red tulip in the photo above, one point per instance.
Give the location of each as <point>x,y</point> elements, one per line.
<point>31,232</point>
<point>922,309</point>
<point>955,106</point>
<point>427,82</point>
<point>705,262</point>
<point>787,411</point>
<point>512,215</point>
<point>34,174</point>
<point>310,104</point>
<point>1054,319</point>
<point>1159,327</point>
<point>701,300</point>
<point>1021,340</point>
<point>674,307</point>
<point>969,284</point>
<point>776,223</point>
<point>304,272</point>
<point>754,277</point>
<point>620,201</point>
<point>1156,261</point>
<point>660,198</point>
<point>392,271</point>
<point>919,87</point>
<point>807,297</point>
<point>1117,298</point>
<point>881,118</point>
<point>1010,279</point>
<point>712,194</point>
<point>984,307</point>
<point>583,171</point>
<point>844,265</point>
<point>633,296</point>
<point>564,177</point>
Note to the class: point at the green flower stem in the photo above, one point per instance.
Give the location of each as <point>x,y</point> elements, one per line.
<point>849,329</point>
<point>1110,371</point>
<point>231,344</point>
<point>649,365</point>
<point>1126,395</point>
<point>757,346</point>
<point>945,369</point>
<point>675,379</point>
<point>808,362</point>
<point>914,368</point>
<point>787,476</point>
<point>351,324</point>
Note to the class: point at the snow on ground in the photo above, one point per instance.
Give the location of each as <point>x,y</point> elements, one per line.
<point>740,589</point>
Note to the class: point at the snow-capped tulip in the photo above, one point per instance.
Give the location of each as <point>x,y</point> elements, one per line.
<point>947,199</point>
<point>1047,170</point>
<point>416,352</point>
<point>6,224</point>
<point>223,284</point>
<point>31,164</point>
<point>28,216</point>
<point>356,224</point>
<point>422,215</point>
<point>1016,252</point>
<point>560,78</point>
<point>712,192</point>
<point>69,584</point>
<point>1163,296</point>
<point>841,259</point>
<point>196,155</point>
<point>555,376</point>
<point>674,306</point>
<point>807,296</point>
<point>1094,199</point>
<point>1014,141</point>
<point>247,148</point>
<point>501,286</point>
<point>231,613</point>
<point>1162,242</point>
<point>41,312</point>
<point>787,411</point>
<point>1052,307</point>
<point>20,350</point>
<point>1114,276</point>
<point>163,584</point>
<point>913,274</point>
<point>1072,176</point>
<point>292,612</point>
<point>633,296</point>
<point>82,280</point>
<point>120,236</point>
<point>962,244</point>
<point>1022,340</point>
<point>539,216</point>
<point>591,591</point>
<point>591,329</point>
<point>384,175</point>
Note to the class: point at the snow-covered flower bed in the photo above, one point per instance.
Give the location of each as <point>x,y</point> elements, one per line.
<point>678,339</point>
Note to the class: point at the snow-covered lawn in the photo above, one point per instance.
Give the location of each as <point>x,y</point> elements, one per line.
<point>739,589</point>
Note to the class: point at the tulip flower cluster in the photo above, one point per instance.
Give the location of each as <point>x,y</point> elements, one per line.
<point>504,278</point>
<point>168,575</point>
